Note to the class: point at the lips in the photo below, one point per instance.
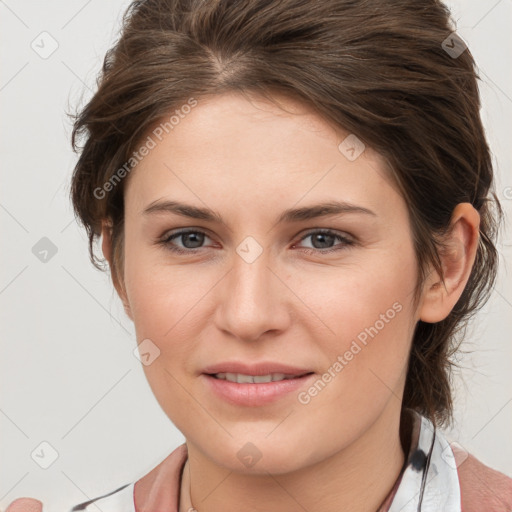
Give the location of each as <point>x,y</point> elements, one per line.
<point>255,394</point>
<point>255,384</point>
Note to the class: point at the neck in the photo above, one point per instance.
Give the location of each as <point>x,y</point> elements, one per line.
<point>359,477</point>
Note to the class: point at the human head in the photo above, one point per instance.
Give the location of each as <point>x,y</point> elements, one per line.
<point>376,70</point>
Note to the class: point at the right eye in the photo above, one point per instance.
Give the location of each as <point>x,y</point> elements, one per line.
<point>191,240</point>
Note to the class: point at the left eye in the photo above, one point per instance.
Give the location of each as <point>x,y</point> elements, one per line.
<point>325,238</point>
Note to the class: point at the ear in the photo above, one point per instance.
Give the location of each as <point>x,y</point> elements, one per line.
<point>457,260</point>
<point>106,246</point>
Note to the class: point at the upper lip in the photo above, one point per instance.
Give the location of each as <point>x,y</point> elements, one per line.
<point>262,368</point>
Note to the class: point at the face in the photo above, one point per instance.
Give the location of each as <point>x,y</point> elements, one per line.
<point>265,276</point>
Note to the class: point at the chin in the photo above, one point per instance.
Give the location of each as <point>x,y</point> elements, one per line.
<point>259,455</point>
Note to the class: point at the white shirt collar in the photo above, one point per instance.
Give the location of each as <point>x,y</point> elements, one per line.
<point>430,482</point>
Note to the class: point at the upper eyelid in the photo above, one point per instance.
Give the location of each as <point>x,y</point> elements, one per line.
<point>171,233</point>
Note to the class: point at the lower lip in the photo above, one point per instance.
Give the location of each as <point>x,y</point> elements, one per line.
<point>255,394</point>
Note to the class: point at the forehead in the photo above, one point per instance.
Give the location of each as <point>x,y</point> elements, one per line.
<point>247,148</point>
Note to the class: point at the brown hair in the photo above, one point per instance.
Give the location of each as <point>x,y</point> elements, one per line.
<point>376,68</point>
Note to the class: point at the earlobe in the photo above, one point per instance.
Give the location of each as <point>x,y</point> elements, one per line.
<point>106,241</point>
<point>457,258</point>
<point>127,309</point>
<point>106,246</point>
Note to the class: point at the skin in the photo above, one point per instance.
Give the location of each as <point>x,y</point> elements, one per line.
<point>249,160</point>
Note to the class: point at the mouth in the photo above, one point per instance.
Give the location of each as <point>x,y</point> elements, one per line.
<point>248,390</point>
<point>242,378</point>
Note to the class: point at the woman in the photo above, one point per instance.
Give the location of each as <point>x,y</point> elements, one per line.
<point>295,202</point>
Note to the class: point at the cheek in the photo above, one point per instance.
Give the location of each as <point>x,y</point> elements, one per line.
<point>371,315</point>
<point>372,292</point>
<point>159,295</point>
<point>166,309</point>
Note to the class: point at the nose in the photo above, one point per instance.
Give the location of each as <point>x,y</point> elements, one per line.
<point>253,299</point>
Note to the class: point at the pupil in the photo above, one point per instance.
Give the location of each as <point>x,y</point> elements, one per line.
<point>324,236</point>
<point>199,239</point>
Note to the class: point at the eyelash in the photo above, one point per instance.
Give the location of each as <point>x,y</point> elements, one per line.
<point>346,242</point>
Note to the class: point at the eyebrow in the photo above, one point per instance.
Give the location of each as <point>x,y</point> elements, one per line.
<point>290,215</point>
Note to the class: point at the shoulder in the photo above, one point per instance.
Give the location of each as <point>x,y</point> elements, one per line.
<point>481,487</point>
<point>150,493</point>
<point>157,490</point>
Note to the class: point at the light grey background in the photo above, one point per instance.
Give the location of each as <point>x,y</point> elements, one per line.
<point>68,373</point>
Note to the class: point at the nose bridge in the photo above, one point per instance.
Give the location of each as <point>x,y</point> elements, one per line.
<point>251,303</point>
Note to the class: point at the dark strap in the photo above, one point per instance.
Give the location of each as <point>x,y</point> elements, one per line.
<point>82,506</point>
